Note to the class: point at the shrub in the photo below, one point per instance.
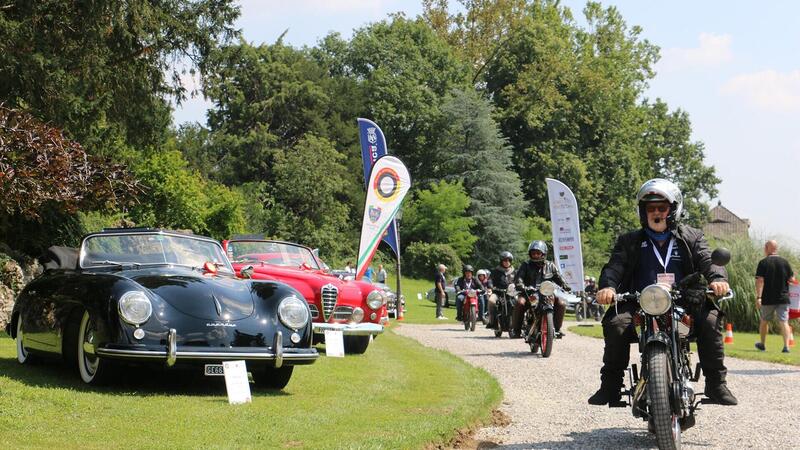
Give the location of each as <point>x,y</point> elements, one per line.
<point>420,259</point>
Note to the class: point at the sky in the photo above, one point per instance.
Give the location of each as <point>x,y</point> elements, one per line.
<point>732,65</point>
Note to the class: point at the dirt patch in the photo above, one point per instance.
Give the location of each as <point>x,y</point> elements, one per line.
<point>465,438</point>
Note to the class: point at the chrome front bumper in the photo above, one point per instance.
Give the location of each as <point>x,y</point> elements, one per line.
<point>174,353</point>
<point>349,329</point>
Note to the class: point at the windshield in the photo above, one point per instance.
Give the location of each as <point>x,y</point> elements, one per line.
<point>276,253</point>
<point>143,249</point>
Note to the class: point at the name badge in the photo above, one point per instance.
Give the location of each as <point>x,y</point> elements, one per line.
<point>666,278</point>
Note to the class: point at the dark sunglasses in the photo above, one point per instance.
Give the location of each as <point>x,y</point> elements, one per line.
<point>659,208</point>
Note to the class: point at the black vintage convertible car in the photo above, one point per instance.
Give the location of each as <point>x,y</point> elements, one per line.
<point>159,297</point>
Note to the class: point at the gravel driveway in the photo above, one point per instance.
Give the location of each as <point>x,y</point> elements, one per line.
<point>545,398</point>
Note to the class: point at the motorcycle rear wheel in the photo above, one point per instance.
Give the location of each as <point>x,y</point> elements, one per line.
<point>547,333</point>
<point>668,430</point>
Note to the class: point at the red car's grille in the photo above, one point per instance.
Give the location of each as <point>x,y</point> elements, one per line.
<point>314,311</point>
<point>343,312</point>
<point>329,295</point>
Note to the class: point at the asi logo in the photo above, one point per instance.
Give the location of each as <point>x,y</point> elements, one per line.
<point>372,137</point>
<point>387,184</point>
<point>374,213</point>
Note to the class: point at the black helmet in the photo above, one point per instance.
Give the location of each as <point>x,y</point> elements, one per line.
<point>538,245</point>
<point>466,268</point>
<point>506,255</point>
<point>660,190</point>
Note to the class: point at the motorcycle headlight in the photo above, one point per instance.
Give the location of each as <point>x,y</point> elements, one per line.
<point>134,307</point>
<point>655,299</point>
<point>375,300</point>
<point>293,312</point>
<point>547,288</point>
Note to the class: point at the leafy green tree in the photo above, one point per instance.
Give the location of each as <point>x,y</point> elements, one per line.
<point>472,149</point>
<point>438,215</point>
<point>103,71</point>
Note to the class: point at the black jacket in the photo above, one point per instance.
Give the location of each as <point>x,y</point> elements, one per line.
<point>460,284</point>
<point>693,248</point>
<point>532,274</point>
<point>500,278</point>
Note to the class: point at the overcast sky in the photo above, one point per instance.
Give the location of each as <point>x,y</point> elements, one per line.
<point>732,65</point>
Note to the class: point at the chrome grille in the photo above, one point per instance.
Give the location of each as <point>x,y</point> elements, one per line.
<point>343,312</point>
<point>329,295</point>
<point>314,311</point>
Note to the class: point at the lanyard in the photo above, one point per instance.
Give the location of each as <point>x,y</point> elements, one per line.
<point>669,253</point>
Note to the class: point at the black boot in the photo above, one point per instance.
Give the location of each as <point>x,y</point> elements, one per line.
<point>606,395</point>
<point>719,393</point>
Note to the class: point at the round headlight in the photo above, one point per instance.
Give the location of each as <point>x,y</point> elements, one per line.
<point>134,307</point>
<point>547,288</point>
<point>293,312</point>
<point>358,315</point>
<point>375,299</point>
<point>655,299</point>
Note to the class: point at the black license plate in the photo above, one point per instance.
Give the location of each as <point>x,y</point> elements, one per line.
<point>214,370</point>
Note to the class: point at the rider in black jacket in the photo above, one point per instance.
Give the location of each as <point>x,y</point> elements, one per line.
<point>661,251</point>
<point>532,273</point>
<point>463,283</point>
<point>501,276</point>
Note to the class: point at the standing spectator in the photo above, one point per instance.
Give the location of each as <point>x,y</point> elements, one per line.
<point>772,293</point>
<point>438,292</point>
<point>349,267</point>
<point>368,274</point>
<point>381,274</point>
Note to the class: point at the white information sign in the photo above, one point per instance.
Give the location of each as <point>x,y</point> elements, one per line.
<point>794,297</point>
<point>236,382</point>
<point>566,226</point>
<point>334,343</point>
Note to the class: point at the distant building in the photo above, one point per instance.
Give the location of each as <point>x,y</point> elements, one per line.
<point>723,223</point>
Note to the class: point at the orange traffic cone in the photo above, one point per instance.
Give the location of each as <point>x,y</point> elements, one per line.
<point>729,333</point>
<point>791,337</point>
<point>400,311</point>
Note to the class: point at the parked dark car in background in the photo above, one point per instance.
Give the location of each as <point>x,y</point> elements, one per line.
<point>161,297</point>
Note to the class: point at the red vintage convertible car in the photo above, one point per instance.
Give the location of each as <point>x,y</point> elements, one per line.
<point>356,308</point>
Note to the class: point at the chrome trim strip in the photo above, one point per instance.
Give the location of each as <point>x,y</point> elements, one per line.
<point>172,347</point>
<point>156,354</point>
<point>277,348</point>
<point>349,329</point>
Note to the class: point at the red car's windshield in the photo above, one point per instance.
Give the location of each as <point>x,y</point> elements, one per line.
<point>276,253</point>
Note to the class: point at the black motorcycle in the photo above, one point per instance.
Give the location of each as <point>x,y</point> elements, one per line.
<point>503,311</point>
<point>538,326</point>
<point>662,393</point>
<point>588,307</point>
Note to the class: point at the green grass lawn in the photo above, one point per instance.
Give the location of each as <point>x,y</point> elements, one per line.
<point>420,311</point>
<point>397,395</point>
<point>742,347</point>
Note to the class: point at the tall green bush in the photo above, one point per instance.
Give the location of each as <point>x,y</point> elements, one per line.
<point>421,259</point>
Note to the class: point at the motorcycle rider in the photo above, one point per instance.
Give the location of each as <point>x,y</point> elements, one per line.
<point>532,273</point>
<point>464,282</point>
<point>501,276</point>
<point>483,277</point>
<point>662,250</point>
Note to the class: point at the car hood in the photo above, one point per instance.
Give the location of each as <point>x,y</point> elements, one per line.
<point>349,292</point>
<point>201,296</point>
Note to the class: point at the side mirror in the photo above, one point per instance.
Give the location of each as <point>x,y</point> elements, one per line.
<point>247,271</point>
<point>721,256</point>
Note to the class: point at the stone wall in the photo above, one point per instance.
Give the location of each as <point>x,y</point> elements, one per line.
<point>14,275</point>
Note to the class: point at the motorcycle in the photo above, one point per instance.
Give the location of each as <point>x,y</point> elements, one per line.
<point>539,330</point>
<point>662,393</point>
<point>469,308</point>
<point>504,309</point>
<point>591,309</point>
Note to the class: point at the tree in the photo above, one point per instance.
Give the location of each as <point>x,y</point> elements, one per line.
<point>102,71</point>
<point>438,216</point>
<point>472,149</point>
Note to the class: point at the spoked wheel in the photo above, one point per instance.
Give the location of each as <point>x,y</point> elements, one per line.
<point>546,334</point>
<point>579,314</point>
<point>473,317</point>
<point>23,356</point>
<point>665,421</point>
<point>82,338</point>
<point>272,378</point>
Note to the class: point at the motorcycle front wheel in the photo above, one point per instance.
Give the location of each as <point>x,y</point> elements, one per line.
<point>473,317</point>
<point>547,333</point>
<point>665,421</point>
<point>579,315</point>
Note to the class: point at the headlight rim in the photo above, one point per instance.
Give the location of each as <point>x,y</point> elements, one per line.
<point>375,303</point>
<point>123,312</point>
<point>547,288</point>
<point>304,307</point>
<point>651,296</point>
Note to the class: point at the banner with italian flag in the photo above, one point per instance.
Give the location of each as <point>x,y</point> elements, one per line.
<point>388,185</point>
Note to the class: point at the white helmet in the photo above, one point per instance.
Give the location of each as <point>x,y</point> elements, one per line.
<point>483,272</point>
<point>660,190</point>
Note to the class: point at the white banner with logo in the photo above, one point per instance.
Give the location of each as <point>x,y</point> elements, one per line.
<point>566,227</point>
<point>388,185</point>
